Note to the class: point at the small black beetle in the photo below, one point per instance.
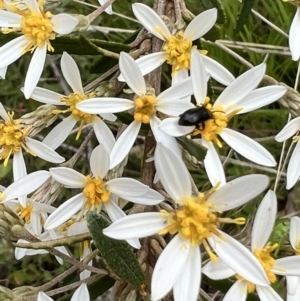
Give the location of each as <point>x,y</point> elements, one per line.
<point>195,116</point>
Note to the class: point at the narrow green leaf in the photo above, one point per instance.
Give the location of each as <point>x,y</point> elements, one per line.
<point>117,254</point>
<point>194,149</point>
<point>243,15</point>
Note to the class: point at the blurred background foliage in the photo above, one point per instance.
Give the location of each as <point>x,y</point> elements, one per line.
<point>263,123</point>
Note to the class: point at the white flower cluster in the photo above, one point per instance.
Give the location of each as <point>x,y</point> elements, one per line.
<point>192,221</point>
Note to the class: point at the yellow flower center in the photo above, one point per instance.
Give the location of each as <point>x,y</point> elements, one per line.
<point>178,52</point>
<point>2,6</point>
<point>37,28</point>
<point>71,101</point>
<point>266,260</point>
<point>144,108</point>
<point>95,192</point>
<point>11,138</point>
<point>25,212</point>
<point>211,128</point>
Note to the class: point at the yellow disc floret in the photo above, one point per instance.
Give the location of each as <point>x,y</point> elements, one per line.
<point>266,260</point>
<point>95,192</point>
<point>211,128</point>
<point>71,101</point>
<point>37,28</point>
<point>144,108</point>
<point>12,138</point>
<point>178,52</point>
<point>25,212</point>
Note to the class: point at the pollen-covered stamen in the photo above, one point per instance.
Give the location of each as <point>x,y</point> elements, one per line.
<point>144,108</point>
<point>95,192</point>
<point>211,128</point>
<point>25,212</point>
<point>12,138</point>
<point>266,260</point>
<point>71,101</point>
<point>178,52</point>
<point>37,28</point>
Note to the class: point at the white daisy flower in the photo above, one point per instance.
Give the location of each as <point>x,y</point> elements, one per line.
<point>294,38</point>
<point>177,47</point>
<point>293,170</point>
<point>60,133</point>
<point>195,222</point>
<point>210,120</point>
<point>145,106</point>
<point>38,29</point>
<point>98,191</point>
<point>14,137</point>
<point>288,266</point>
<point>81,294</point>
<point>293,282</point>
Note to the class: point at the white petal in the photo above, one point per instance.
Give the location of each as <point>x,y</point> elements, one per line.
<point>233,253</point>
<point>213,165</point>
<point>3,71</point>
<point>161,137</point>
<point>43,151</point>
<point>12,50</point>
<point>46,96</point>
<point>151,20</point>
<point>217,270</point>
<point>293,171</point>
<point>43,297</point>
<point>25,185</point>
<point>241,86</point>
<point>152,197</point>
<point>3,113</point>
<point>65,211</point>
<point>109,117</point>
<point>176,92</point>
<point>188,283</point>
<point>99,162</point>
<point>172,173</point>
<point>293,286</point>
<point>289,130</point>
<point>260,97</point>
<point>132,74</point>
<point>124,144</point>
<point>32,5</point>
<point>174,108</point>
<point>294,38</point>
<point>217,71</point>
<point>124,187</point>
<point>108,10</point>
<point>248,148</point>
<point>115,212</point>
<point>68,177</point>
<point>104,134</point>
<point>239,191</point>
<point>267,293</point>
<point>198,76</point>
<point>169,267</point>
<point>201,24</point>
<point>136,225</point>
<point>148,63</point>
<point>60,133</point>
<point>35,70</point>
<point>287,266</point>
<point>71,73</point>
<point>105,105</point>
<point>81,293</point>
<point>78,228</point>
<point>264,219</point>
<point>295,231</point>
<point>19,171</point>
<point>171,127</point>
<point>238,291</point>
<point>64,23</point>
<point>9,19</point>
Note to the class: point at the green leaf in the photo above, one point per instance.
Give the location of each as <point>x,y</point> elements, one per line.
<point>243,15</point>
<point>117,254</point>
<point>194,149</point>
